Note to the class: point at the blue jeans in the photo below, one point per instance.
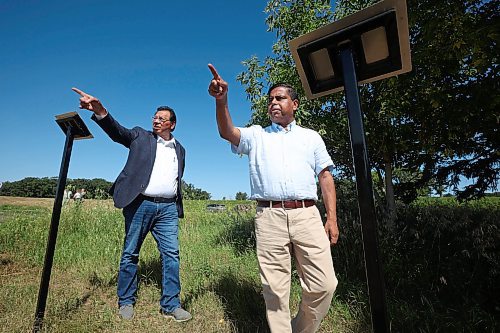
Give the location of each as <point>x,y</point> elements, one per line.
<point>161,219</point>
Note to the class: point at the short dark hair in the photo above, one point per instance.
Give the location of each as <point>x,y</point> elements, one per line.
<point>291,90</point>
<point>173,118</point>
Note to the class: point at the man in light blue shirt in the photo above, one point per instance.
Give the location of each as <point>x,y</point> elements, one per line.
<point>284,161</point>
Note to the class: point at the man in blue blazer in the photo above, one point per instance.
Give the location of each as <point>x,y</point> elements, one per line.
<point>149,191</point>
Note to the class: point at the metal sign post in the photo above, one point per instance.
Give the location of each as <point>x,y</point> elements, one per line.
<point>366,46</point>
<point>74,128</point>
<point>374,273</point>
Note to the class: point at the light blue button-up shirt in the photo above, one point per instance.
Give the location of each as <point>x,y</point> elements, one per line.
<point>283,162</point>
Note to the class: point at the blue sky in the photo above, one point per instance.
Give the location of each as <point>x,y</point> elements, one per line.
<point>134,56</point>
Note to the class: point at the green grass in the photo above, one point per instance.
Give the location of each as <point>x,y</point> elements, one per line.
<point>219,274</point>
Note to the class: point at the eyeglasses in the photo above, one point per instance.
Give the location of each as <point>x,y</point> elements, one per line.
<point>161,119</point>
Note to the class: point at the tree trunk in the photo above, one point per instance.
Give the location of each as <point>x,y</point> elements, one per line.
<point>389,194</point>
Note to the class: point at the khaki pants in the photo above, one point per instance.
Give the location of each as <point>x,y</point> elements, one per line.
<point>281,233</point>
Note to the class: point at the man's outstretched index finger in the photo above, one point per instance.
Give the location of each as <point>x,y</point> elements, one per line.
<point>214,71</point>
<point>79,92</point>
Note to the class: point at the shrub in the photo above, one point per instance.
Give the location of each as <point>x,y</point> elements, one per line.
<point>440,261</point>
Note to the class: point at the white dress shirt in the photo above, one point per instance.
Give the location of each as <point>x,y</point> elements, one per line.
<point>283,162</point>
<point>163,181</point>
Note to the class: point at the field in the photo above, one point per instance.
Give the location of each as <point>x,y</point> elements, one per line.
<point>219,274</point>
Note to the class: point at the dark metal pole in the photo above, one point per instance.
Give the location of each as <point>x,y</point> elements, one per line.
<point>374,276</point>
<point>54,225</point>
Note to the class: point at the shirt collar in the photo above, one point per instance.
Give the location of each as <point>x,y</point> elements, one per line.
<point>169,143</point>
<point>279,128</point>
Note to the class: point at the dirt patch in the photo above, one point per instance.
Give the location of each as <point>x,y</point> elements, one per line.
<point>49,202</point>
<point>20,201</point>
<point>10,268</point>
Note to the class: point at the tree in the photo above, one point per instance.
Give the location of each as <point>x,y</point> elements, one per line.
<point>96,188</point>
<point>46,187</point>
<point>189,192</point>
<point>30,187</point>
<point>437,123</point>
<point>427,128</point>
<point>241,196</point>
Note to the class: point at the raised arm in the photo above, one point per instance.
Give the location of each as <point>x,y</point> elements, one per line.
<point>113,129</point>
<point>330,199</point>
<point>218,89</point>
<point>90,103</point>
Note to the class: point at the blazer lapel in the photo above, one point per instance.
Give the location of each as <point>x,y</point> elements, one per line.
<point>180,159</point>
<point>152,147</point>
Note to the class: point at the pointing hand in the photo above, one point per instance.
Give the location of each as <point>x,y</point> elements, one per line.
<point>218,87</point>
<point>90,103</point>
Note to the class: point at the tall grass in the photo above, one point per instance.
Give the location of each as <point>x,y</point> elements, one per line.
<point>219,274</point>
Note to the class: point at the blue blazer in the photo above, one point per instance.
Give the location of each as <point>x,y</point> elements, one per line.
<point>134,177</point>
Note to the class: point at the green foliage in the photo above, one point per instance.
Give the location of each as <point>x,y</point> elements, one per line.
<point>96,188</point>
<point>425,129</point>
<point>447,118</point>
<point>288,19</point>
<point>190,192</point>
<point>20,226</point>
<point>220,284</point>
<point>241,196</point>
<point>442,262</point>
<point>441,267</point>
<point>80,228</point>
<point>32,187</point>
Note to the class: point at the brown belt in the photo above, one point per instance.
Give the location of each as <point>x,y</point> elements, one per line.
<point>287,204</point>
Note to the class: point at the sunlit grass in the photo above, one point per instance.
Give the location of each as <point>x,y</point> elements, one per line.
<point>219,273</point>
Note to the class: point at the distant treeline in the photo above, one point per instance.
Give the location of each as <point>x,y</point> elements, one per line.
<point>96,188</point>
<point>45,187</point>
